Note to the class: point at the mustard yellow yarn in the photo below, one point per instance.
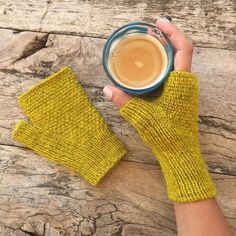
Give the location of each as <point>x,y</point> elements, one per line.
<point>66,128</point>
<point>169,125</point>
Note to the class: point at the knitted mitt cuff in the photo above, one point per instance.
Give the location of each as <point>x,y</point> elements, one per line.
<point>92,160</point>
<point>187,177</point>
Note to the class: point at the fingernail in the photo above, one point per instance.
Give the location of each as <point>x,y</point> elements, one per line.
<point>108,92</point>
<point>166,19</point>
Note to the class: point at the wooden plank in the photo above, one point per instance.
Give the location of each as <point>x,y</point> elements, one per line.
<point>41,198</point>
<point>209,23</point>
<point>47,53</point>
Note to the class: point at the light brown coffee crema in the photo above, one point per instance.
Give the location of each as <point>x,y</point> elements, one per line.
<point>137,60</point>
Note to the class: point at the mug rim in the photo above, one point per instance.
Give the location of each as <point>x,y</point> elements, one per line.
<point>168,49</point>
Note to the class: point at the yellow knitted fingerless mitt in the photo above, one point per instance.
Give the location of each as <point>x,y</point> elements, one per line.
<point>66,128</point>
<point>169,125</point>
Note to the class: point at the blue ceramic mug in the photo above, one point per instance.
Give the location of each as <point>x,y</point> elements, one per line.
<point>131,29</point>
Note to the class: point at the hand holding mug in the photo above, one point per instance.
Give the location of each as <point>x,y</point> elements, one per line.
<point>182,60</point>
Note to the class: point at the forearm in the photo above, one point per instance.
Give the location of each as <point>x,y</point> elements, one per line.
<point>201,218</point>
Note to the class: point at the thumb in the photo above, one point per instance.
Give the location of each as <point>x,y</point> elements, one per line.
<point>118,97</point>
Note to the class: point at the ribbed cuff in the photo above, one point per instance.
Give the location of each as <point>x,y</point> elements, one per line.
<point>186,175</point>
<point>92,159</point>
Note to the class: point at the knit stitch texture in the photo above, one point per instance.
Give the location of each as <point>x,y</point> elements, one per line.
<point>169,125</point>
<point>66,128</point>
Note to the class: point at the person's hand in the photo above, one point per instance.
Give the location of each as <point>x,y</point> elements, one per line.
<point>169,124</point>
<point>182,61</point>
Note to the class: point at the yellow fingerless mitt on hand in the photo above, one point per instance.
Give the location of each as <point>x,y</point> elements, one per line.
<point>169,125</point>
<point>66,128</point>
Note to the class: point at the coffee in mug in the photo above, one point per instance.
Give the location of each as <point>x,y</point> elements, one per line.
<point>138,57</point>
<point>137,60</point>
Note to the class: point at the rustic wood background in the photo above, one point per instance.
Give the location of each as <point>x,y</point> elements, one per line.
<point>36,39</point>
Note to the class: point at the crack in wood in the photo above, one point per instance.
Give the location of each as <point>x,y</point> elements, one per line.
<point>16,231</point>
<point>217,134</point>
<point>31,45</point>
<point>34,46</point>
<point>48,2</point>
<point>212,121</point>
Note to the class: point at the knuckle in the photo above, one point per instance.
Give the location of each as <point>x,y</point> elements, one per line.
<point>118,100</point>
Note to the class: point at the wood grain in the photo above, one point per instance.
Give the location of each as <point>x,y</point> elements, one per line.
<point>47,53</point>
<point>209,23</point>
<point>40,198</point>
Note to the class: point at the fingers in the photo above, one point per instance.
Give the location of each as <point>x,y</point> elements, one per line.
<point>118,97</point>
<point>178,40</point>
<point>183,47</point>
<point>165,26</point>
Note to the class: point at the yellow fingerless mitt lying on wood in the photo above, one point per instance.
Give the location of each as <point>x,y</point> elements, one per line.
<point>66,128</point>
<point>169,125</point>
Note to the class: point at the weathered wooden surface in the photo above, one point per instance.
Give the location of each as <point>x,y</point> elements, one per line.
<point>38,198</point>
<point>41,198</point>
<point>40,54</point>
<point>210,23</point>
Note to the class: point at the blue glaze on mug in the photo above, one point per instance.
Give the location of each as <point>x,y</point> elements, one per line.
<point>138,27</point>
